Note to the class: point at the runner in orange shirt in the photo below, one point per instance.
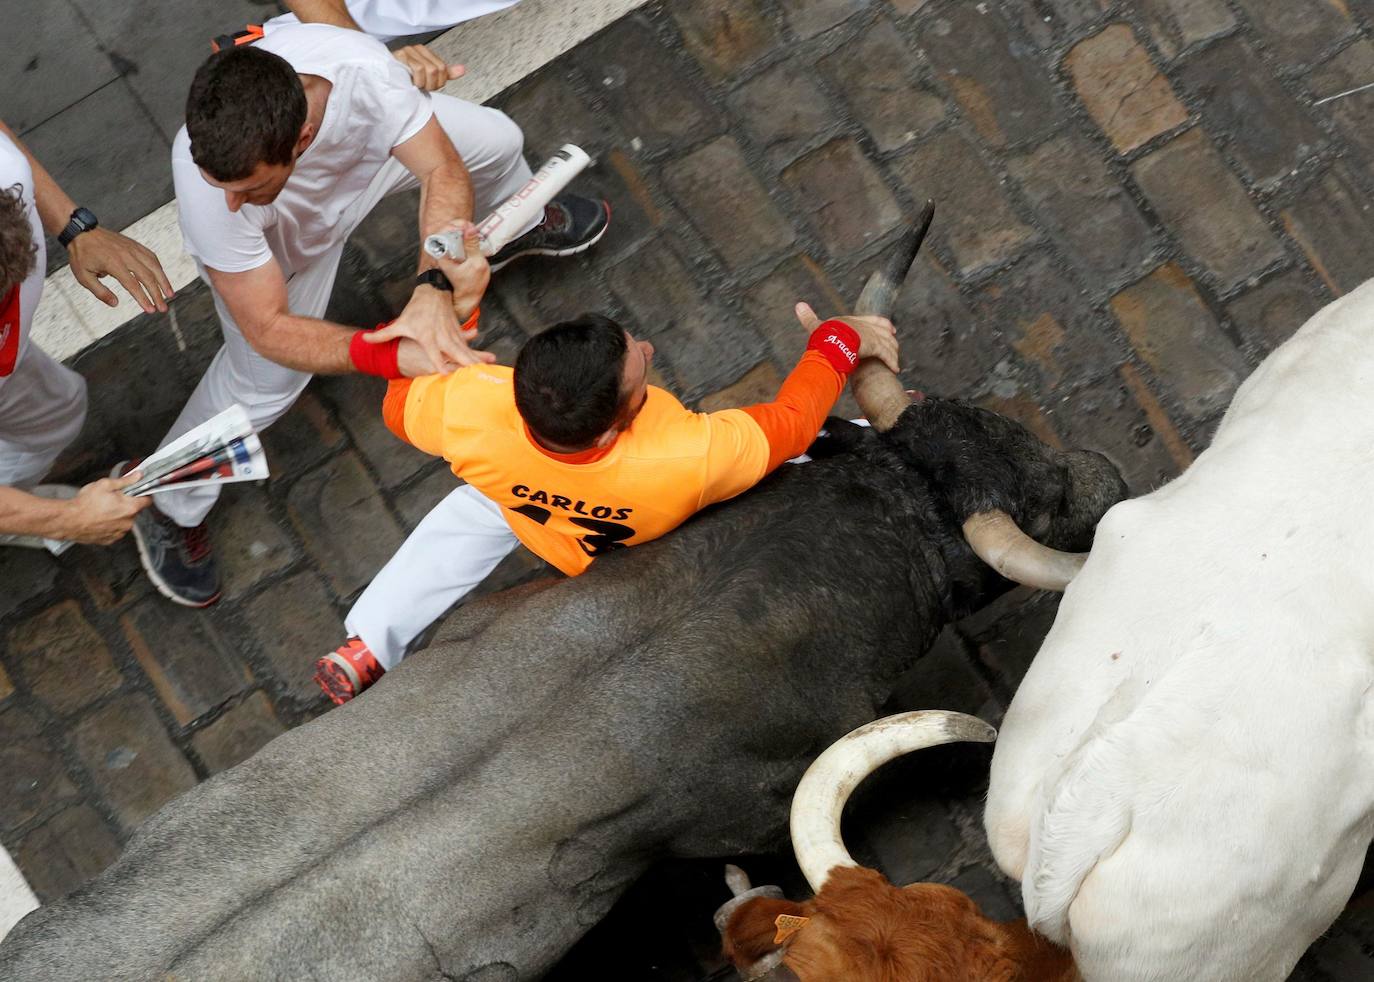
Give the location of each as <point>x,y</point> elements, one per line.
<point>575,455</point>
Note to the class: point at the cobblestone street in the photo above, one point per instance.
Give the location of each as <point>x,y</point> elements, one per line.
<point>1135,203</point>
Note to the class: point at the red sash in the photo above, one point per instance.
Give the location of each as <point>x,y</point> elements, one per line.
<point>9,330</point>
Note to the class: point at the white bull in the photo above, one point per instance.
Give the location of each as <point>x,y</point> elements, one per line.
<point>1184,782</point>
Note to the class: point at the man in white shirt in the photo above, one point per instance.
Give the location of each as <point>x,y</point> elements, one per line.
<point>289,143</point>
<point>42,402</point>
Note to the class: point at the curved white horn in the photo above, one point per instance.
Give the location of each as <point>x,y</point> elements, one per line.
<point>828,782</point>
<point>999,542</point>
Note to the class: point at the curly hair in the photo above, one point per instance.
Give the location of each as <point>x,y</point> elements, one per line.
<point>18,251</point>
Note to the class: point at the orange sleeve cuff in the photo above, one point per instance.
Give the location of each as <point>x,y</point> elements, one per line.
<point>394,407</point>
<point>791,421</point>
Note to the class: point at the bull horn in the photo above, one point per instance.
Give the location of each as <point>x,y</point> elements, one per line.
<point>876,389</point>
<point>743,891</point>
<point>832,777</point>
<point>999,542</point>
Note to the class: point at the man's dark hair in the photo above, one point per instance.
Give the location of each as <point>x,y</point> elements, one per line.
<point>18,251</point>
<point>246,107</point>
<point>567,380</point>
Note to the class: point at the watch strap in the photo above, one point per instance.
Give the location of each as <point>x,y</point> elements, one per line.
<point>434,278</point>
<point>82,220</point>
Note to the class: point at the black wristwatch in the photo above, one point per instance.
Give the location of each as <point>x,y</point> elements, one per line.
<point>82,220</point>
<point>434,278</point>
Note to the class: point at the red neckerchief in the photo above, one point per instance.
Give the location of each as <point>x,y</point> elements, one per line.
<point>9,331</point>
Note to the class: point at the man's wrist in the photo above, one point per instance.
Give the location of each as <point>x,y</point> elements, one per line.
<point>63,520</point>
<point>838,343</point>
<point>81,220</point>
<point>381,359</point>
<point>434,278</point>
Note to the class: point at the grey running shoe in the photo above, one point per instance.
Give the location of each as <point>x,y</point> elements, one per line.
<point>179,561</point>
<point>571,224</point>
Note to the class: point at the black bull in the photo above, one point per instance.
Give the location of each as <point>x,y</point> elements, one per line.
<point>476,812</point>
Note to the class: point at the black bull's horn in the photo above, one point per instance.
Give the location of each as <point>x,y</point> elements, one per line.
<point>876,389</point>
<point>993,535</point>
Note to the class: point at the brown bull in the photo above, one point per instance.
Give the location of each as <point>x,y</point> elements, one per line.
<point>859,927</point>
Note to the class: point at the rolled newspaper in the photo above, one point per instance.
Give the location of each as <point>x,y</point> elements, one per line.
<point>515,214</point>
<point>222,450</point>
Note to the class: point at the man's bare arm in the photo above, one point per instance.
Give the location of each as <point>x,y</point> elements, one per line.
<point>445,195</point>
<point>99,252</point>
<point>54,204</point>
<point>323,12</point>
<point>98,515</point>
<point>257,301</point>
<point>445,186</point>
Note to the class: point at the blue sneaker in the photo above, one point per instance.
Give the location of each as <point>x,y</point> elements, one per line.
<point>571,224</point>
<point>179,561</point>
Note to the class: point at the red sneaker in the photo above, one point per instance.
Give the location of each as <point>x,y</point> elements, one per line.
<point>344,673</point>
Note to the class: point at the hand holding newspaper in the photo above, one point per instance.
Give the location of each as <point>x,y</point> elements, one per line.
<point>222,450</point>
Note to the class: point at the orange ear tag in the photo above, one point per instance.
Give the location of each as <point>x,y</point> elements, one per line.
<point>787,925</point>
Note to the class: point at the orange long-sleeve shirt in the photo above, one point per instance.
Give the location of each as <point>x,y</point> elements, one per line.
<point>570,508</point>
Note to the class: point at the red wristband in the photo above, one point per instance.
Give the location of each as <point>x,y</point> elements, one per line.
<point>375,359</point>
<point>471,323</point>
<point>838,342</point>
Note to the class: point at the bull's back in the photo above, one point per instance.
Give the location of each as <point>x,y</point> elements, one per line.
<point>1193,740</point>
<point>533,759</point>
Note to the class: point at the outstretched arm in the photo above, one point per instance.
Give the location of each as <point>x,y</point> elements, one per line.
<point>792,420</point>
<point>98,515</point>
<point>257,301</point>
<point>429,318</point>
<point>98,252</point>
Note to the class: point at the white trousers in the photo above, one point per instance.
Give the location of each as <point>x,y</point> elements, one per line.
<point>387,19</point>
<point>490,145</point>
<point>460,541</point>
<point>16,896</point>
<point>42,407</point>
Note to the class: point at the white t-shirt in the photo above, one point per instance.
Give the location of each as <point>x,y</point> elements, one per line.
<point>387,19</point>
<point>372,108</point>
<point>14,169</point>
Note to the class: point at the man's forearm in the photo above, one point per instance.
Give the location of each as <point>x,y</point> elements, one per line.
<point>445,194</point>
<point>323,12</point>
<point>22,513</point>
<point>307,344</point>
<point>791,421</point>
<point>55,206</point>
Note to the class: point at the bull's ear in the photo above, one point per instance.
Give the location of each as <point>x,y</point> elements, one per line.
<point>749,934</point>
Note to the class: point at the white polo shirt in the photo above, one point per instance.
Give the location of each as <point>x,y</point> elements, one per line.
<point>387,19</point>
<point>372,108</point>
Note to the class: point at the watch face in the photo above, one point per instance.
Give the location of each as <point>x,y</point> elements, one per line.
<point>85,217</point>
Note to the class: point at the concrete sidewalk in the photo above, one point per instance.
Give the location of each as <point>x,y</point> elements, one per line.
<point>1136,202</point>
